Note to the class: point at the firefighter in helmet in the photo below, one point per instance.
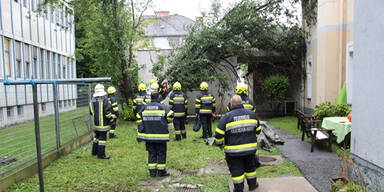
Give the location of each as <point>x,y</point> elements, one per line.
<point>115,110</point>
<point>178,104</point>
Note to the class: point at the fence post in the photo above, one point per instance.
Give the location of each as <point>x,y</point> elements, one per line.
<point>56,109</point>
<point>89,100</point>
<point>37,135</point>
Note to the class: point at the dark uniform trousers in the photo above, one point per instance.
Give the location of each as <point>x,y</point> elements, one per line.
<point>206,121</point>
<point>179,125</point>
<point>157,157</point>
<point>99,143</point>
<point>113,127</point>
<point>242,167</point>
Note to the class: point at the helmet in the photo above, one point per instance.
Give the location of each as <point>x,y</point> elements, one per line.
<point>152,81</point>
<point>142,87</point>
<point>99,88</point>
<point>111,90</point>
<point>176,86</point>
<point>155,87</point>
<point>241,88</point>
<point>204,86</point>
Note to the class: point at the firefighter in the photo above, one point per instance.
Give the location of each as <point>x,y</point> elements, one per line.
<point>155,88</point>
<point>115,110</point>
<point>237,133</point>
<point>154,118</point>
<point>205,109</point>
<point>178,103</point>
<point>242,90</point>
<point>102,114</point>
<point>141,98</point>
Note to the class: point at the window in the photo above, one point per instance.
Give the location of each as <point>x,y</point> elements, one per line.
<point>43,107</point>
<point>54,65</point>
<point>16,1</point>
<point>1,114</point>
<point>25,3</point>
<point>309,77</point>
<point>65,103</point>
<point>18,59</point>
<point>57,17</point>
<point>64,69</point>
<point>34,51</point>
<point>27,61</point>
<point>42,72</point>
<point>8,69</point>
<point>60,104</point>
<point>51,11</point>
<point>9,112</point>
<point>59,66</point>
<point>20,110</point>
<point>48,64</point>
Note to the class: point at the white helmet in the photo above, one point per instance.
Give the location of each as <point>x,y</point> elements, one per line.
<point>99,90</point>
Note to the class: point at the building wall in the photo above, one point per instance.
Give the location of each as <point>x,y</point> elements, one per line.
<point>39,46</point>
<point>367,125</point>
<point>327,47</point>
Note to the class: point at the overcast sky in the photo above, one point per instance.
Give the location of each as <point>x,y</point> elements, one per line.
<point>188,8</point>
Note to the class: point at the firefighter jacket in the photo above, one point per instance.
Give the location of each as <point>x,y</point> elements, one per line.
<point>238,130</point>
<point>140,100</point>
<point>102,114</point>
<point>205,103</point>
<point>153,119</point>
<point>247,103</point>
<point>114,104</point>
<point>178,103</point>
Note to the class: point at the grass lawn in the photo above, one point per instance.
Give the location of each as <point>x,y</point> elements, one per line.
<point>289,124</point>
<point>18,140</point>
<point>79,171</point>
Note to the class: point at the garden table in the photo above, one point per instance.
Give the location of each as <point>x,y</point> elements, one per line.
<point>340,125</point>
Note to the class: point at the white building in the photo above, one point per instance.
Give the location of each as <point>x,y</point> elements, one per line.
<point>35,46</point>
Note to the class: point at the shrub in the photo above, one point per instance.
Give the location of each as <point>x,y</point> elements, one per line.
<point>327,109</point>
<point>339,186</point>
<point>275,88</point>
<point>127,112</point>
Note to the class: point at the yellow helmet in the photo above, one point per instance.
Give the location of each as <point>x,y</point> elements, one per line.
<point>152,81</point>
<point>142,87</point>
<point>241,88</point>
<point>176,86</point>
<point>155,87</point>
<point>204,86</point>
<point>111,90</point>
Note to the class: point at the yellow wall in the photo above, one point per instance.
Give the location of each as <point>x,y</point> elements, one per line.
<point>328,43</point>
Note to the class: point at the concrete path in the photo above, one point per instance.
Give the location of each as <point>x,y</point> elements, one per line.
<point>317,167</point>
<point>281,184</point>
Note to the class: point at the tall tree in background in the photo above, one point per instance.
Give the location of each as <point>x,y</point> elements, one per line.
<point>107,33</point>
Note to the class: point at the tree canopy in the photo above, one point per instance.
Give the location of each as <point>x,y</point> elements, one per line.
<point>249,28</point>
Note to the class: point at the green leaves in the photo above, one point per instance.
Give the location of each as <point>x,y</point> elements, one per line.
<point>275,88</point>
<point>327,109</point>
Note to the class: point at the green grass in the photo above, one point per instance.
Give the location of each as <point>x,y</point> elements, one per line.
<point>79,171</point>
<point>18,140</point>
<point>289,124</point>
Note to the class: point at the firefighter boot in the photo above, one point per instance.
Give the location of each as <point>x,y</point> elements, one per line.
<point>112,135</point>
<point>238,187</point>
<point>94,148</point>
<point>178,137</point>
<point>101,152</point>
<point>252,184</point>
<point>162,173</point>
<point>184,134</point>
<point>152,172</point>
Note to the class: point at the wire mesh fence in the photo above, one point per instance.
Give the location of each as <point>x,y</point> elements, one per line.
<point>17,141</point>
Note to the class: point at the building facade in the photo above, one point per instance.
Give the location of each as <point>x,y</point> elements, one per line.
<point>329,53</point>
<point>35,45</point>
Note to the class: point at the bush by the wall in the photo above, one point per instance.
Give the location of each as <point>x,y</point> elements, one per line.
<point>275,88</point>
<point>327,109</point>
<point>127,111</point>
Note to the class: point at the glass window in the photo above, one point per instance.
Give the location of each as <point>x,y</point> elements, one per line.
<point>64,68</point>
<point>9,112</point>
<point>35,69</point>
<point>8,69</point>
<point>54,65</point>
<point>43,107</point>
<point>25,3</point>
<point>48,59</point>
<point>18,59</point>
<point>42,71</point>
<point>20,110</point>
<point>59,66</point>
<point>27,61</point>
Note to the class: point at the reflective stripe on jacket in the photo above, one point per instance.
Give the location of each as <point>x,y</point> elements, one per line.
<point>114,104</point>
<point>247,103</point>
<point>238,130</point>
<point>178,103</point>
<point>205,103</point>
<point>154,118</point>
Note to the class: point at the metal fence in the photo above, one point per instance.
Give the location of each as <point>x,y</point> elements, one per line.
<point>63,116</point>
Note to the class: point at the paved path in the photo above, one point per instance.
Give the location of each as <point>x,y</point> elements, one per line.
<point>317,167</point>
<point>281,184</point>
